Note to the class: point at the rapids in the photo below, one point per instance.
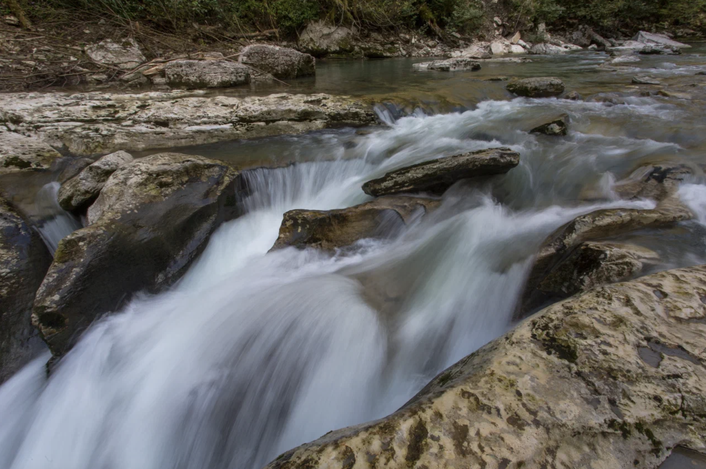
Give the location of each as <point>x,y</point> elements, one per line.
<point>254,352</point>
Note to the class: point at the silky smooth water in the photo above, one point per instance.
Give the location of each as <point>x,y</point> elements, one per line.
<point>254,352</point>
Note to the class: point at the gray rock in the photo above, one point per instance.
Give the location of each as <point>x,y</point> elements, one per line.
<point>554,128</point>
<point>24,259</point>
<point>125,55</point>
<point>151,220</point>
<point>436,176</point>
<point>645,81</point>
<point>658,40</point>
<point>321,39</point>
<point>206,73</point>
<point>449,65</point>
<point>332,229</point>
<point>573,96</point>
<point>280,62</point>
<point>625,59</point>
<point>613,378</point>
<point>547,49</point>
<point>18,153</point>
<point>536,87</point>
<point>78,193</point>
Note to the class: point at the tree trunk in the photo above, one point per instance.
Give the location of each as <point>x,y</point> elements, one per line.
<point>19,13</point>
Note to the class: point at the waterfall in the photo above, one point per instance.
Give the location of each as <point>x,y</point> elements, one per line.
<point>56,222</point>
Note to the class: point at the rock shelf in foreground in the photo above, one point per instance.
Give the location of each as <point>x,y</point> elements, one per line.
<point>613,378</point>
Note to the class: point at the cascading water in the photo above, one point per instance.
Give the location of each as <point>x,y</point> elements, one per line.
<point>253,353</point>
<point>56,223</point>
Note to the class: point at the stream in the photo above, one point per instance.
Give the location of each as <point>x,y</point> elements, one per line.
<point>255,352</point>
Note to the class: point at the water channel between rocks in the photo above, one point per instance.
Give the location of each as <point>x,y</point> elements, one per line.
<point>253,353</point>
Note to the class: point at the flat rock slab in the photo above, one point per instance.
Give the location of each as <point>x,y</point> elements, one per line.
<point>152,219</point>
<point>575,386</point>
<point>543,87</point>
<point>332,229</point>
<point>438,175</point>
<point>100,123</point>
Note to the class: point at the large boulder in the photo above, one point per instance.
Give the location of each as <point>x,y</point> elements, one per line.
<point>449,65</point>
<point>658,40</point>
<point>125,55</point>
<point>332,229</point>
<point>18,152</point>
<point>542,87</point>
<point>206,73</point>
<point>280,62</point>
<point>24,259</point>
<point>79,192</point>
<point>436,176</point>
<point>613,378</point>
<point>151,220</point>
<point>321,39</point>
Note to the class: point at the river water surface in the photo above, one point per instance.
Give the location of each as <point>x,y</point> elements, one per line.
<point>253,353</point>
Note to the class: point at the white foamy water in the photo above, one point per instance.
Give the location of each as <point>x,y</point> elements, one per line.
<point>252,353</point>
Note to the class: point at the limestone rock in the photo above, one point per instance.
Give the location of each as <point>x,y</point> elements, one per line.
<point>151,220</point>
<point>659,40</point>
<point>18,152</point>
<point>125,55</point>
<point>78,193</point>
<point>332,229</point>
<point>536,87</point>
<point>321,39</point>
<point>280,62</point>
<point>24,259</point>
<point>554,128</point>
<point>206,73</point>
<point>449,65</point>
<point>436,176</point>
<point>101,123</point>
<point>613,378</point>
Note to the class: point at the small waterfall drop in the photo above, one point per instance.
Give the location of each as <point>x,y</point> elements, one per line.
<point>56,222</point>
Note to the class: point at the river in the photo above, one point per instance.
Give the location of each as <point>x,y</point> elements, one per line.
<point>254,352</point>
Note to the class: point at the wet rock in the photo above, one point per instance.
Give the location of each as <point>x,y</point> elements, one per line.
<point>645,81</point>
<point>659,50</point>
<point>593,226</point>
<point>206,73</point>
<point>78,193</point>
<point>332,229</point>
<point>23,262</point>
<point>569,387</point>
<point>554,128</point>
<point>321,39</point>
<point>547,49</point>
<point>585,37</point>
<point>656,182</point>
<point>125,55</point>
<point>280,62</point>
<point>659,40</point>
<point>18,152</point>
<point>449,65</point>
<point>101,123</point>
<point>625,59</point>
<point>536,87</point>
<point>152,218</point>
<point>436,176</point>
<point>573,96</point>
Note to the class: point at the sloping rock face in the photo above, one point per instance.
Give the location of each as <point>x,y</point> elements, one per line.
<point>332,229</point>
<point>280,62</point>
<point>18,152</point>
<point>438,175</point>
<point>23,262</point>
<point>100,123</point>
<point>206,73</point>
<point>125,55</point>
<point>613,378</point>
<point>449,65</point>
<point>151,220</point>
<point>543,87</point>
<point>321,39</point>
<point>79,192</point>
<point>659,40</point>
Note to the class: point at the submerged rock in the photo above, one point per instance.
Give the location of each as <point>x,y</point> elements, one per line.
<point>206,73</point>
<point>321,39</point>
<point>125,55</point>
<point>151,220</point>
<point>78,193</point>
<point>536,87</point>
<point>18,152</point>
<point>611,378</point>
<point>554,128</point>
<point>24,259</point>
<point>100,123</point>
<point>449,65</point>
<point>331,229</point>
<point>436,176</point>
<point>280,62</point>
